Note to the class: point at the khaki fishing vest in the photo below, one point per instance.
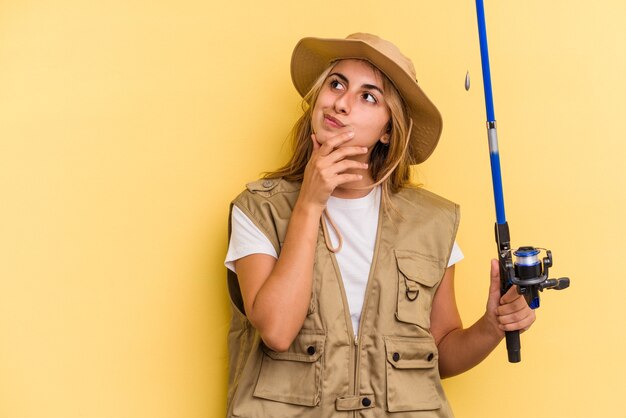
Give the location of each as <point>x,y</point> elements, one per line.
<point>390,368</point>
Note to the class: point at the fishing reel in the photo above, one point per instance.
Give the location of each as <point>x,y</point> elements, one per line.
<point>530,273</point>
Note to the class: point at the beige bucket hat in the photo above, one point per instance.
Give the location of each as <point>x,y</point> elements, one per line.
<point>312,56</point>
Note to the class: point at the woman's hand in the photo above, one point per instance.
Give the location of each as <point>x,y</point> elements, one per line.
<point>277,292</point>
<point>330,167</point>
<point>509,312</point>
<point>460,348</point>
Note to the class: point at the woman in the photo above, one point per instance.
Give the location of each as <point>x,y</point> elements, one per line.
<point>343,296</point>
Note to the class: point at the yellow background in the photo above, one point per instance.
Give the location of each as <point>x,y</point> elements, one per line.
<point>127,126</point>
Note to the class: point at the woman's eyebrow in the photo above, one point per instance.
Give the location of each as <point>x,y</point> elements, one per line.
<point>365,86</point>
<point>341,76</point>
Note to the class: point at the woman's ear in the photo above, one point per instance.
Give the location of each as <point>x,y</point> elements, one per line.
<point>387,135</point>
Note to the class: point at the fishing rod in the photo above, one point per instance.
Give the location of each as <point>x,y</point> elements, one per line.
<point>527,271</point>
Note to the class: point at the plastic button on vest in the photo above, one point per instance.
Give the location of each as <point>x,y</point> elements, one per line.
<point>310,350</point>
<point>366,402</point>
<point>396,356</point>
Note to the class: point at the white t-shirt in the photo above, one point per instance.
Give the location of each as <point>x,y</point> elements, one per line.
<point>357,220</point>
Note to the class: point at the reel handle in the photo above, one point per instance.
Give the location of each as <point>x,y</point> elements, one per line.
<point>555,284</point>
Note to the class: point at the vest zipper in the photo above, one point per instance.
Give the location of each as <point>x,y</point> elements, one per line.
<point>357,337</point>
<point>357,364</point>
<point>351,334</point>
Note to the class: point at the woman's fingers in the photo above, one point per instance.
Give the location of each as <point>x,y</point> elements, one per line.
<point>511,295</point>
<point>345,165</point>
<point>332,159</point>
<point>332,175</point>
<point>330,166</point>
<point>519,321</point>
<point>341,153</point>
<point>513,312</point>
<point>508,312</point>
<point>327,147</point>
<point>346,178</point>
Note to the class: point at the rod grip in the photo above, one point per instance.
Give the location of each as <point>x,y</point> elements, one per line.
<point>513,346</point>
<point>503,239</point>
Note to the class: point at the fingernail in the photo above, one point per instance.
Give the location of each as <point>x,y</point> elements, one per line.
<point>350,134</point>
<point>364,149</point>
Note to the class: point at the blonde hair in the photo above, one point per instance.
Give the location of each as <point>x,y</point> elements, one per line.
<point>383,157</point>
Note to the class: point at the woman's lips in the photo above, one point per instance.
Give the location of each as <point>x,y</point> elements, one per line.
<point>335,123</point>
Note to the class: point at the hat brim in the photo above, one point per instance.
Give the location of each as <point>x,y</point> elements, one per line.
<point>312,56</point>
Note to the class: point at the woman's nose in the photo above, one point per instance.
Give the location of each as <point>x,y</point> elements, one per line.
<point>342,104</point>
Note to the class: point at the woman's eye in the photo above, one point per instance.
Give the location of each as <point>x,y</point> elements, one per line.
<point>335,84</point>
<point>369,97</point>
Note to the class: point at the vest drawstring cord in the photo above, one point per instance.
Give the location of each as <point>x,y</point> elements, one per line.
<point>327,239</point>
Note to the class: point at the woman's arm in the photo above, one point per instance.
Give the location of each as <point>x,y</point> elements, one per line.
<point>461,349</point>
<point>277,292</point>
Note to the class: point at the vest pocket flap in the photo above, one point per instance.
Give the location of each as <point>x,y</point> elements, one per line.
<point>305,348</point>
<point>418,268</point>
<point>411,353</point>
<point>293,377</point>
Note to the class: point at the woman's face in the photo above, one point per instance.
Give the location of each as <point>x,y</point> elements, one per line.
<point>351,99</point>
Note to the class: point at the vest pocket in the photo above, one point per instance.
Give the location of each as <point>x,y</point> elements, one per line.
<point>294,376</point>
<point>412,375</point>
<point>417,277</point>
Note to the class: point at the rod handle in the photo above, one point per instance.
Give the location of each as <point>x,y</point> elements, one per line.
<point>503,239</point>
<point>513,346</point>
